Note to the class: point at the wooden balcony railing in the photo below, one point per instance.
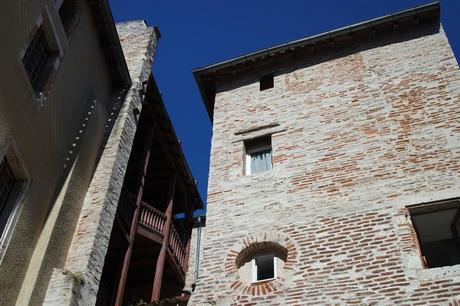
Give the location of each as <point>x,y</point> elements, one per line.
<point>177,248</point>
<point>154,220</point>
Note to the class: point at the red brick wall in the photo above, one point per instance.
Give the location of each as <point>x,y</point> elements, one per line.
<point>357,135</point>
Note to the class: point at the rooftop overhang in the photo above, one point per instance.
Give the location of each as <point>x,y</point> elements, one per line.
<point>207,77</point>
<point>173,146</point>
<point>108,37</point>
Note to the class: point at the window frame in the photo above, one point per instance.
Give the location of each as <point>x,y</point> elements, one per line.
<point>38,47</point>
<point>255,269</point>
<point>56,45</point>
<point>432,208</point>
<point>251,147</point>
<point>17,195</point>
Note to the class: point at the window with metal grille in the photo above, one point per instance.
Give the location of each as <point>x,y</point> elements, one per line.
<point>6,183</point>
<point>68,13</point>
<point>35,58</point>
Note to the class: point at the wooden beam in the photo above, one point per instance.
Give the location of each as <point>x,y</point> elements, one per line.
<point>134,222</point>
<point>156,290</point>
<point>149,234</point>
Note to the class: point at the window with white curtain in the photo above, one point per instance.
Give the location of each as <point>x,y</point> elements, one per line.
<point>258,155</point>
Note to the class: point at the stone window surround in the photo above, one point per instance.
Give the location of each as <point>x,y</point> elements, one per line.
<point>411,252</point>
<point>254,131</point>
<point>45,19</point>
<point>431,207</point>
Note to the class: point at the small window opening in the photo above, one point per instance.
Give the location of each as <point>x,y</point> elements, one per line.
<point>264,268</point>
<point>438,226</point>
<point>266,82</point>
<point>68,13</point>
<point>258,155</point>
<point>261,261</point>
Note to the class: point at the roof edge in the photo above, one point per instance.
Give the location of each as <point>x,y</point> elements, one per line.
<point>110,42</point>
<point>360,25</point>
<point>201,74</point>
<point>158,97</point>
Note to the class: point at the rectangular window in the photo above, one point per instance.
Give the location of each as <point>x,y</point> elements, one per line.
<point>35,58</point>
<point>266,82</point>
<point>437,226</point>
<point>258,155</point>
<point>263,268</point>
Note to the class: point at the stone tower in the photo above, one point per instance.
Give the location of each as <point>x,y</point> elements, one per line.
<point>335,169</point>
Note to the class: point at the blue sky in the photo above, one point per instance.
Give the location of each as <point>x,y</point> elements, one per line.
<point>201,32</point>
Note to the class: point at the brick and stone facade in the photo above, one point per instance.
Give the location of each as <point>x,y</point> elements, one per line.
<point>362,125</point>
<point>77,283</point>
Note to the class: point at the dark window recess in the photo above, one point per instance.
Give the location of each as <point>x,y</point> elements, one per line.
<point>35,59</point>
<point>266,82</point>
<point>265,267</point>
<point>438,233</point>
<point>68,13</point>
<point>6,183</point>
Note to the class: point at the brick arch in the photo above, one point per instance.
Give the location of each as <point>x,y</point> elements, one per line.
<point>253,244</point>
<point>259,248</point>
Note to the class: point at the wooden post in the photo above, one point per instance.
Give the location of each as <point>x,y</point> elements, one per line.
<point>156,290</point>
<point>187,253</point>
<point>134,221</point>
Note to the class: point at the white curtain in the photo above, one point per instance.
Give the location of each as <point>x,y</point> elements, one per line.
<point>261,161</point>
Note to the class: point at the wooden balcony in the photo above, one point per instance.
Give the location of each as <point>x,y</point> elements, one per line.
<point>152,225</point>
<point>154,220</point>
<point>148,246</point>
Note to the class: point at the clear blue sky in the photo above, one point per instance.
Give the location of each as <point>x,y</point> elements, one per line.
<point>200,32</point>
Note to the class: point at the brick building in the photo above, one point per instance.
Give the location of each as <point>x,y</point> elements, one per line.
<point>96,198</point>
<point>335,169</point>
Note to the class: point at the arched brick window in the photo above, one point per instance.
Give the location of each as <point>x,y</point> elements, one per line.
<point>261,263</point>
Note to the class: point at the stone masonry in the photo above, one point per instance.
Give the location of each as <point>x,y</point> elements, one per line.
<point>77,283</point>
<point>358,134</point>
